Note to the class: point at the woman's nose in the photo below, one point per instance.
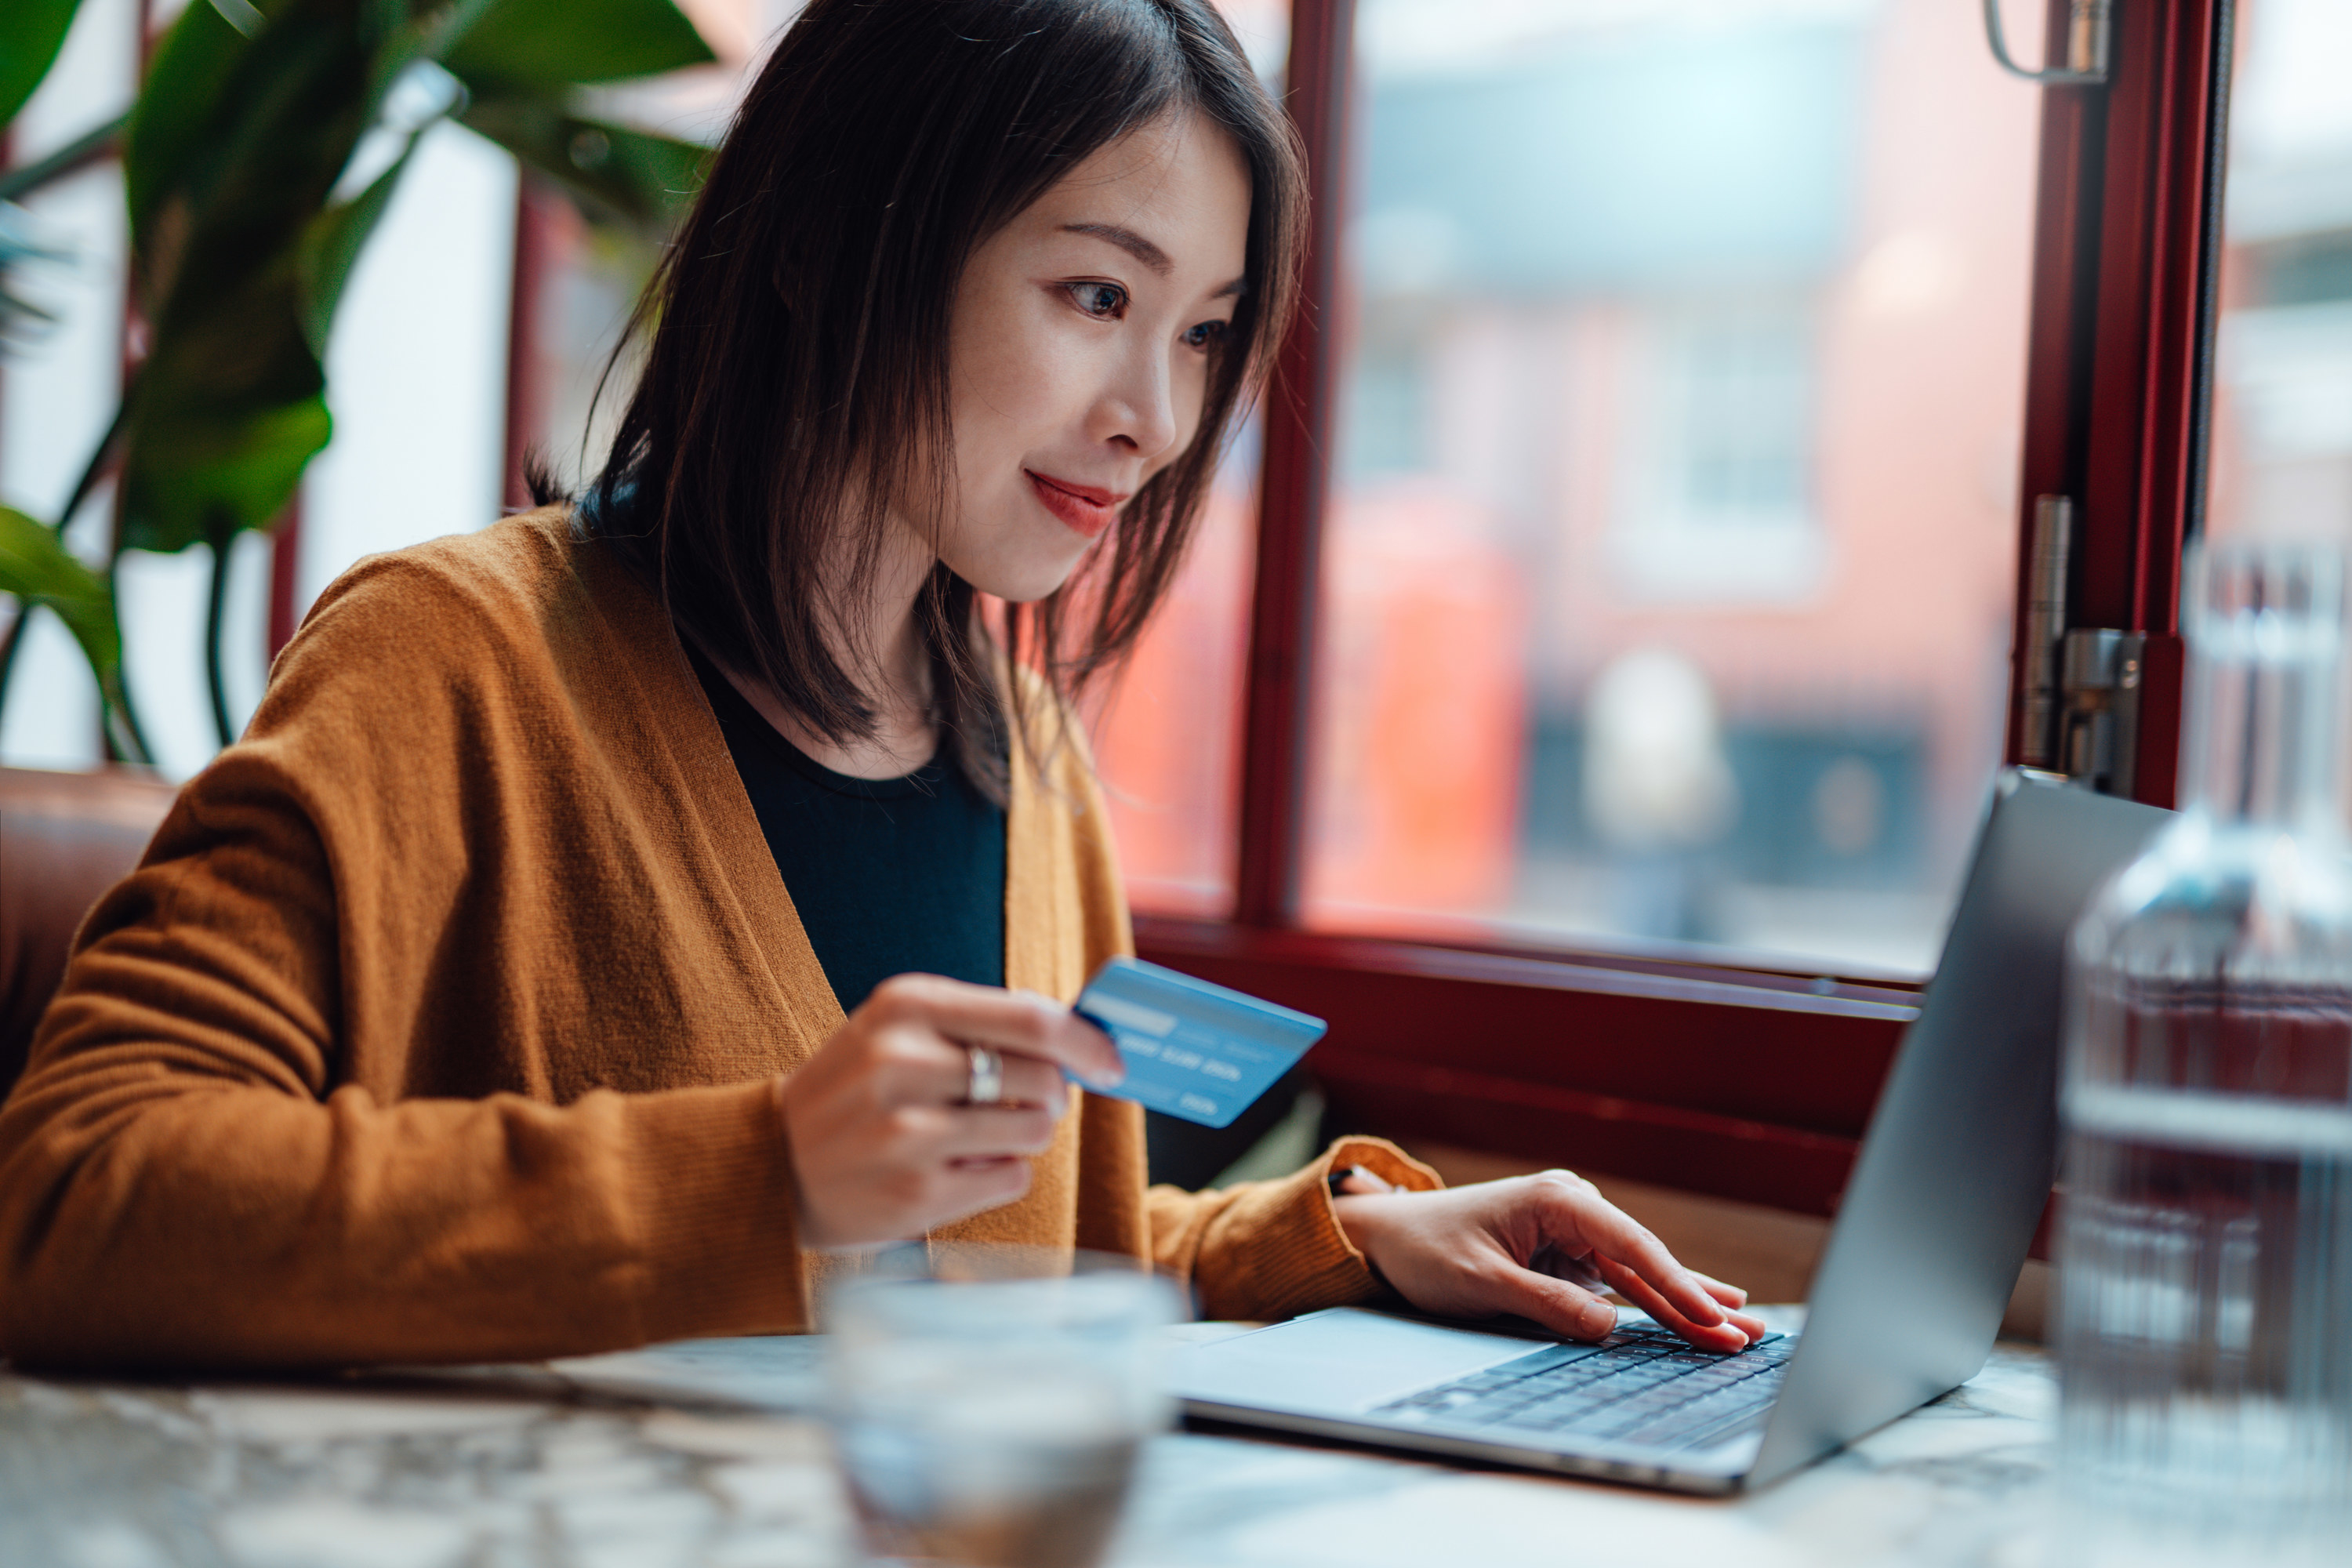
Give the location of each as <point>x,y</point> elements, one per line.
<point>1137,408</point>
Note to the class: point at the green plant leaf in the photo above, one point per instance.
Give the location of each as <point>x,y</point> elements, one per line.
<point>228,404</point>
<point>553,43</point>
<point>614,173</point>
<point>184,81</point>
<point>37,568</point>
<point>30,43</point>
<point>192,475</point>
<point>234,153</point>
<point>332,243</point>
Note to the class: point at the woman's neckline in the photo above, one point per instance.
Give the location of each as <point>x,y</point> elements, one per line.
<point>926,778</point>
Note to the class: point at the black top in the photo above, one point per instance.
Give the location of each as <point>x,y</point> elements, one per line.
<point>889,875</point>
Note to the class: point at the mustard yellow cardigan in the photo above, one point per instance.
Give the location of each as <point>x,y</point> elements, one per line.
<point>440,1020</point>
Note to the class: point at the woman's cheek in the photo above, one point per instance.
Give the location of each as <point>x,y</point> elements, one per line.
<point>1033,381</point>
<point>1005,360</point>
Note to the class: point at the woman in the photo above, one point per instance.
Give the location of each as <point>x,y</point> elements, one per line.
<point>510,990</point>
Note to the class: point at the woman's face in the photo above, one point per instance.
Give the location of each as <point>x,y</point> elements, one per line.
<point>1081,348</point>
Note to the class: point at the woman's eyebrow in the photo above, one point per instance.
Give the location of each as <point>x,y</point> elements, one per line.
<point>1143,250</point>
<point>1127,239</point>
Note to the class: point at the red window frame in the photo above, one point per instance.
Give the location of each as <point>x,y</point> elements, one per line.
<point>1729,1081</point>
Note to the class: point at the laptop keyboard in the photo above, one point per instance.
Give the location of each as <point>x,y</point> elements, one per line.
<point>1640,1385</point>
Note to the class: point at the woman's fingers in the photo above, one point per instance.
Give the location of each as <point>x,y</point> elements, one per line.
<point>988,1132</point>
<point>1028,1082</point>
<point>968,1187</point>
<point>1019,1022</point>
<point>1562,1308</point>
<point>1635,1288</point>
<point>1638,1267</point>
<point>1735,1331</point>
<point>1579,1211</point>
<point>1561,1263</point>
<point>925,1067</point>
<point>1558,1305</point>
<point>1729,1295</point>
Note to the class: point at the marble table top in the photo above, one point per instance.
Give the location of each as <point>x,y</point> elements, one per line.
<point>559,1467</point>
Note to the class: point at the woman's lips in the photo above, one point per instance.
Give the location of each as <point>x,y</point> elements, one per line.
<point>1086,510</point>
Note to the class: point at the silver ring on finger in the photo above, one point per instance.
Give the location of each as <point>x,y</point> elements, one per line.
<point>985,1085</point>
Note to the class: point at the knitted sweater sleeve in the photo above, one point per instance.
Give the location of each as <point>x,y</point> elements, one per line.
<point>195,1172</point>
<point>1275,1250</point>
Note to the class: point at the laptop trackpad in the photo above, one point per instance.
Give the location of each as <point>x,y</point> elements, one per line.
<point>1335,1362</point>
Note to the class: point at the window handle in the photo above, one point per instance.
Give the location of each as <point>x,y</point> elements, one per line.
<point>2090,25</point>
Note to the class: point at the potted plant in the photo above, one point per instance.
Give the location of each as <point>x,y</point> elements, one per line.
<point>265,144</point>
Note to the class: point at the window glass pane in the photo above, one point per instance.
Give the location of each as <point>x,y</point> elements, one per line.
<point>1669,577</point>
<point>1168,735</point>
<point>2281,427</point>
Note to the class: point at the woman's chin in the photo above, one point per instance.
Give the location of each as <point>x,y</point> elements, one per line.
<point>1023,582</point>
<point>1024,593</point>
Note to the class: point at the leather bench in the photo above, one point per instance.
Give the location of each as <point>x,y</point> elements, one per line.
<point>65,840</point>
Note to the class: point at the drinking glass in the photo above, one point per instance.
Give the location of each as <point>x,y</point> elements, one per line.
<point>987,1403</point>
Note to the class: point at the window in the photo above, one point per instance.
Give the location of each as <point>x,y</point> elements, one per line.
<point>1167,747</point>
<point>1666,584</point>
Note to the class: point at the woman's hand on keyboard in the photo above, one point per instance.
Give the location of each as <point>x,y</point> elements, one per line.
<point>1544,1247</point>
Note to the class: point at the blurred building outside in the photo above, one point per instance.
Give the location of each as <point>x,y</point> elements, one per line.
<point>1685,347</point>
<point>2282,428</point>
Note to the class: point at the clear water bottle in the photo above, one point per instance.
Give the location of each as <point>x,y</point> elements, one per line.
<point>2205,1273</point>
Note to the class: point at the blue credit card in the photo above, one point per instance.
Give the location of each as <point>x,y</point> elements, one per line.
<point>1193,1049</point>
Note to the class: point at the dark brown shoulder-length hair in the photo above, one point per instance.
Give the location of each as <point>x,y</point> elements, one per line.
<point>794,384</point>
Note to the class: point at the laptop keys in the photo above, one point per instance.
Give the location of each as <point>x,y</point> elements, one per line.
<point>1643,1386</point>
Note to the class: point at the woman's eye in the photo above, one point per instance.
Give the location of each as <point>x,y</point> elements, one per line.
<point>1103,301</point>
<point>1206,336</point>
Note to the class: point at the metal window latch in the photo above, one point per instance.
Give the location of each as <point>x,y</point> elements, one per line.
<point>2098,736</point>
<point>2090,33</point>
<point>2082,685</point>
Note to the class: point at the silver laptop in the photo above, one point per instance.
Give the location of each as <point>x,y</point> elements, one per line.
<point>1927,1244</point>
